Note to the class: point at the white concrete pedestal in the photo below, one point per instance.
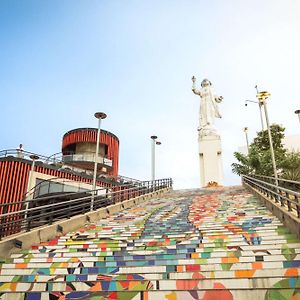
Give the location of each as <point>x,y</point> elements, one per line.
<point>210,157</point>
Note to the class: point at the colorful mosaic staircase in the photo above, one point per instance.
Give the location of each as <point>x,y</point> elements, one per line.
<point>188,245</point>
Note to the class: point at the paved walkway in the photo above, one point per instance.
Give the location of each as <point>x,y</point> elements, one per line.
<point>196,244</point>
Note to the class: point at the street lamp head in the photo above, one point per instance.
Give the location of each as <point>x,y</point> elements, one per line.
<point>158,143</point>
<point>153,137</point>
<point>100,115</point>
<point>297,112</point>
<point>246,129</point>
<point>34,157</point>
<point>262,96</point>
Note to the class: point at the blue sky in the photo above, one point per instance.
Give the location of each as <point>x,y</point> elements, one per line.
<point>61,61</point>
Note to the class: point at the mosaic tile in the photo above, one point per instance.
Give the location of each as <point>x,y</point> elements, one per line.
<point>197,244</point>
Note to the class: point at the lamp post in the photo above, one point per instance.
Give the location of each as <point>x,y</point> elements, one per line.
<point>262,97</point>
<point>260,111</point>
<point>99,116</point>
<point>247,141</point>
<point>34,157</point>
<point>158,144</point>
<point>297,112</point>
<point>153,137</point>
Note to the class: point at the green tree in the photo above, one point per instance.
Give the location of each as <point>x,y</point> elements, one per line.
<point>259,160</point>
<point>291,166</point>
<point>243,167</point>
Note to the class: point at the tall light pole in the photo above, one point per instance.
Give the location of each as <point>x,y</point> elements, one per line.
<point>297,112</point>
<point>153,137</point>
<point>247,141</point>
<point>99,116</point>
<point>158,144</point>
<point>262,97</point>
<point>260,112</point>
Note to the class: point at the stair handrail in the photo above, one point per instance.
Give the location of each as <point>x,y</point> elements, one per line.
<point>40,211</point>
<point>281,181</point>
<point>287,198</point>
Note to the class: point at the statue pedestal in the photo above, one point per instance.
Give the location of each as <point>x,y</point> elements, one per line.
<point>210,157</point>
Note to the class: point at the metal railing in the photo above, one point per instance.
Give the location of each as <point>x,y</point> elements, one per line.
<point>20,153</point>
<point>124,179</point>
<point>84,157</point>
<point>56,160</point>
<point>24,215</point>
<point>287,198</point>
<point>289,184</point>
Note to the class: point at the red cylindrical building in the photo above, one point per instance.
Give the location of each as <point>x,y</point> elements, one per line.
<point>79,149</point>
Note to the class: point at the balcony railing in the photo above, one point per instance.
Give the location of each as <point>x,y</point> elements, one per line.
<point>57,157</point>
<point>19,153</point>
<point>86,158</point>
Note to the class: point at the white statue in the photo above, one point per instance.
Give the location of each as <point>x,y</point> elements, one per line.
<point>208,107</point>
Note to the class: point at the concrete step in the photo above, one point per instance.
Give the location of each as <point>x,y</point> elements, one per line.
<point>220,245</point>
<point>259,273</point>
<point>104,283</point>
<point>65,251</point>
<point>142,267</point>
<point>96,256</point>
<point>223,242</point>
<point>111,261</point>
<point>218,293</point>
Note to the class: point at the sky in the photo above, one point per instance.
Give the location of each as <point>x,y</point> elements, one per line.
<point>61,61</point>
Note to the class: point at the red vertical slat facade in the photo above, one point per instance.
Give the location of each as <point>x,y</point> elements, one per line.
<point>14,174</point>
<point>82,135</point>
<point>13,182</point>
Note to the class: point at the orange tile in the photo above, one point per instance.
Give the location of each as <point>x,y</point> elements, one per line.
<point>64,265</point>
<point>229,260</point>
<point>257,265</point>
<point>97,287</point>
<point>21,266</point>
<point>244,273</point>
<point>179,268</point>
<point>293,272</point>
<point>145,296</point>
<point>13,286</point>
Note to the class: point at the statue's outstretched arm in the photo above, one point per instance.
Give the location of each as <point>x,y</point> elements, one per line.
<point>197,92</point>
<point>194,87</point>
